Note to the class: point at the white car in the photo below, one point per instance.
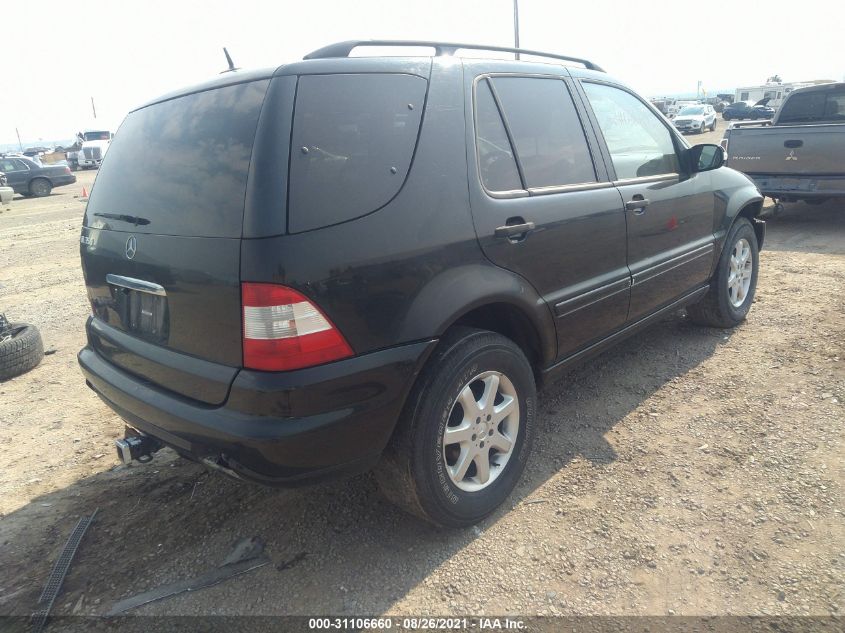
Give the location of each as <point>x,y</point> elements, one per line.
<point>6,193</point>
<point>696,118</point>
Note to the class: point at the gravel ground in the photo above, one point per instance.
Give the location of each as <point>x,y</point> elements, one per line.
<point>689,471</point>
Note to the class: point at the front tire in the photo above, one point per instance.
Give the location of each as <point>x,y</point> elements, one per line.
<point>732,288</point>
<point>466,431</point>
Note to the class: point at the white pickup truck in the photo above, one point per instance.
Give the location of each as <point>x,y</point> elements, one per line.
<point>800,154</point>
<point>95,143</point>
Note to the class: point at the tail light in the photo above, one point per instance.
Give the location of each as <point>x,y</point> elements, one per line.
<point>67,169</point>
<point>724,144</point>
<point>283,330</point>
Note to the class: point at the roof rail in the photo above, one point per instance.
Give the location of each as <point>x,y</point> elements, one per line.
<point>343,49</point>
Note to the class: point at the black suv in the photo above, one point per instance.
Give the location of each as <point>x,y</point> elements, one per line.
<point>349,262</point>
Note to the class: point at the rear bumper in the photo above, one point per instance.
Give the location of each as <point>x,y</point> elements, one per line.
<point>60,181</point>
<point>800,187</point>
<point>275,428</point>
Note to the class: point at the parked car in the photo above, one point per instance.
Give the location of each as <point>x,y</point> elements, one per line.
<point>801,156</point>
<point>28,178</point>
<point>696,118</point>
<point>346,290</point>
<point>6,192</point>
<point>742,110</point>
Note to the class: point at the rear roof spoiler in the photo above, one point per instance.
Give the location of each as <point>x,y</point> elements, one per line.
<point>343,49</point>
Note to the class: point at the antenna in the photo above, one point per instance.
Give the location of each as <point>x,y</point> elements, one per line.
<point>231,68</point>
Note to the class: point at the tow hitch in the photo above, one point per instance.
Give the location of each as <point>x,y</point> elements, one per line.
<point>136,447</point>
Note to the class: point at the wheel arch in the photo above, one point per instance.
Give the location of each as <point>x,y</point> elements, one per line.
<point>488,297</point>
<point>39,177</point>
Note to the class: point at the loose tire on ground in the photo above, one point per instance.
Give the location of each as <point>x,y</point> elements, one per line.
<point>716,308</point>
<point>415,472</point>
<point>22,352</point>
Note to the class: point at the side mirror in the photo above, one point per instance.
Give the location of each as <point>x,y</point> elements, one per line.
<point>705,157</point>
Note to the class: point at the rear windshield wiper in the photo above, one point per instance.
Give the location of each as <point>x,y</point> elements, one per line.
<point>131,219</point>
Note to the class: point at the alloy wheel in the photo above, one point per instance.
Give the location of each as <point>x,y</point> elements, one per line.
<point>479,438</point>
<point>739,275</point>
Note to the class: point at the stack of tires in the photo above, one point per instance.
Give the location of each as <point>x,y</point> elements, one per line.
<point>21,348</point>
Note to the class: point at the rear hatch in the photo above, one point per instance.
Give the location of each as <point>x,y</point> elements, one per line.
<point>160,242</point>
<point>789,150</point>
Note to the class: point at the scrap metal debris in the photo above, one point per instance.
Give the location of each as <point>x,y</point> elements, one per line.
<point>248,554</point>
<point>57,576</point>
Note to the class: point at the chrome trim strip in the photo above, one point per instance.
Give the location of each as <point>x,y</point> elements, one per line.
<point>516,193</point>
<point>645,179</point>
<point>584,186</point>
<point>135,284</point>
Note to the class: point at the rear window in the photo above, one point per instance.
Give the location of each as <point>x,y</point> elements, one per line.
<point>352,144</point>
<point>180,167</point>
<point>815,106</point>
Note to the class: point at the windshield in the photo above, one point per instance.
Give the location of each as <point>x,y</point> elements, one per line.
<point>692,110</point>
<point>97,136</point>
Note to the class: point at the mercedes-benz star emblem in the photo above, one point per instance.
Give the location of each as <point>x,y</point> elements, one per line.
<point>131,247</point>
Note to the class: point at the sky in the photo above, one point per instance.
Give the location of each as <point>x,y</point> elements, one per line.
<point>58,54</point>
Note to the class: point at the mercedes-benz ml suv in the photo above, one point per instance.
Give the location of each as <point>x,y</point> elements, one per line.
<point>356,262</point>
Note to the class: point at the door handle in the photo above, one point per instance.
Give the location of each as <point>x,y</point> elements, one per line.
<point>514,230</point>
<point>637,205</point>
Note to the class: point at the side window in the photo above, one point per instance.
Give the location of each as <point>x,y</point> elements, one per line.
<point>546,130</point>
<point>639,144</point>
<point>20,165</point>
<point>496,163</point>
<point>6,165</point>
<point>353,139</point>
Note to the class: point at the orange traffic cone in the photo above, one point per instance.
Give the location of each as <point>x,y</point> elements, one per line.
<point>84,192</point>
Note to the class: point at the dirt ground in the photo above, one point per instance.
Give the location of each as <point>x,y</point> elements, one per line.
<point>688,471</point>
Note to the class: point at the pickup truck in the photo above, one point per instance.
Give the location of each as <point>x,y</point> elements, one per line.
<point>800,154</point>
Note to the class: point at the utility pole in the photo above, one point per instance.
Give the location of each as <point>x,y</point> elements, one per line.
<point>93,108</point>
<point>516,25</point>
<point>19,139</point>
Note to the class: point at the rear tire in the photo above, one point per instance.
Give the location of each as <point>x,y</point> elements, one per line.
<point>22,352</point>
<point>729,298</point>
<point>40,187</point>
<point>713,125</point>
<point>421,469</point>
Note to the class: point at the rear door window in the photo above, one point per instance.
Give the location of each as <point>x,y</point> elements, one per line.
<point>179,167</point>
<point>546,130</point>
<point>353,141</point>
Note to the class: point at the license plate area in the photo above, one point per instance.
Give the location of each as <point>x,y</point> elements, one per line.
<point>141,311</point>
